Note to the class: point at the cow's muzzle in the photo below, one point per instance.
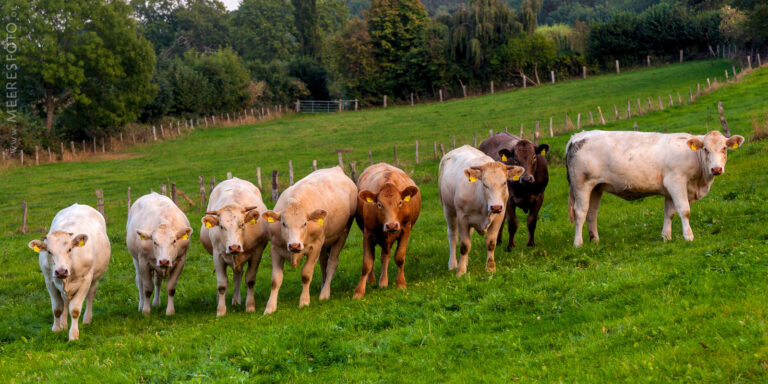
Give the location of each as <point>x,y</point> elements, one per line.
<point>391,227</point>
<point>61,273</point>
<point>717,171</point>
<point>295,247</point>
<point>496,208</point>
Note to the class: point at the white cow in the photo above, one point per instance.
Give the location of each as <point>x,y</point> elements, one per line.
<point>73,256</point>
<point>312,218</point>
<point>234,234</point>
<point>473,190</point>
<point>632,165</point>
<point>157,236</point>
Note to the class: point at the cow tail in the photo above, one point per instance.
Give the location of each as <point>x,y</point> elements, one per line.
<point>571,213</point>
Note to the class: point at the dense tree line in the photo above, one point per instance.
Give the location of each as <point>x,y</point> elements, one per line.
<point>88,67</point>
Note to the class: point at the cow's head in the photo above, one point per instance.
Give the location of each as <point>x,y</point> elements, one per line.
<point>230,222</point>
<point>713,150</point>
<point>391,205</point>
<point>168,244</point>
<point>524,154</point>
<point>493,178</point>
<point>58,246</point>
<point>296,228</point>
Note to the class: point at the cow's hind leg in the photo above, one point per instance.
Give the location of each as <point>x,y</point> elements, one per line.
<point>237,278</point>
<point>333,263</point>
<point>250,277</point>
<point>89,299</point>
<point>680,197</point>
<point>158,285</point>
<point>594,206</point>
<point>453,235</point>
<point>580,206</point>
<point>669,213</point>
<point>465,238</point>
<point>490,245</point>
<point>369,251</point>
<point>386,253</point>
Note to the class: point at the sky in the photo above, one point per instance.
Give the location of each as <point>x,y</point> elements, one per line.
<point>231,4</point>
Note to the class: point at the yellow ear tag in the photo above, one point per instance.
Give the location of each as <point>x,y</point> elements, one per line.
<point>515,178</point>
<point>319,221</point>
<point>472,179</point>
<point>368,199</point>
<point>735,145</point>
<point>185,237</point>
<point>503,158</point>
<point>81,243</point>
<point>543,152</point>
<point>693,147</point>
<point>207,224</point>
<point>253,221</point>
<point>407,198</point>
<point>36,249</point>
<point>141,238</point>
<point>270,219</point>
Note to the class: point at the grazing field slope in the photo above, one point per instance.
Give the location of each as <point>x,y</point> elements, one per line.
<point>632,308</point>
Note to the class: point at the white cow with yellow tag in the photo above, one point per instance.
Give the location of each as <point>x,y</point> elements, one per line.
<point>234,233</point>
<point>312,218</point>
<point>157,236</point>
<point>632,165</point>
<point>473,191</point>
<point>73,256</point>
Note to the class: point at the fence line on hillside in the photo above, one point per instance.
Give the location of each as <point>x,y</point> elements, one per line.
<point>173,188</point>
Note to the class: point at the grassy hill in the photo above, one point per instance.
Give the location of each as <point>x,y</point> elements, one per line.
<point>632,308</point>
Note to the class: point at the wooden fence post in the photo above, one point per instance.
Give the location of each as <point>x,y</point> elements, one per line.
<point>671,102</point>
<point>616,111</point>
<point>635,126</point>
<point>726,76</point>
<point>229,175</point>
<point>353,171</point>
<point>661,104</point>
<point>162,131</point>
<point>21,154</point>
<point>551,129</point>
<point>552,73</point>
<point>129,197</point>
<point>290,172</point>
<point>385,101</point>
<point>578,121</point>
<point>679,99</point>
<point>394,155</point>
<point>258,177</point>
<point>698,89</point>
<point>709,83</point>
<point>103,149</point>
<point>735,77</point>
<point>648,61</point>
<point>94,145</point>
<point>341,161</point>
<point>37,157</point>
<point>164,189</point>
<point>749,61</point>
<point>274,186</point>
<point>536,134</point>
<point>314,165</point>
<point>213,183</point>
<point>61,144</point>
<point>154,133</point>
<point>411,99</point>
<point>690,95</point>
<point>759,61</point>
<point>24,217</point>
<point>440,91</point>
<point>650,105</point>
<point>201,180</point>
<point>442,151</point>
<point>721,113</point>
<point>490,133</point>
<point>50,157</point>
<point>591,119</point>
<point>617,67</point>
<point>100,202</point>
<point>417,152</point>
<point>681,55</point>
<point>491,87</point>
<point>370,158</point>
<point>639,107</point>
<point>583,71</point>
<point>629,109</point>
<point>174,196</point>
<point>521,131</point>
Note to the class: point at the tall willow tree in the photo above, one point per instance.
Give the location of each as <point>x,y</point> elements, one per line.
<point>305,16</point>
<point>529,10</point>
<point>476,33</point>
<point>395,28</point>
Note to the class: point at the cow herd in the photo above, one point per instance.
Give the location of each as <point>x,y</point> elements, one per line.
<point>311,220</point>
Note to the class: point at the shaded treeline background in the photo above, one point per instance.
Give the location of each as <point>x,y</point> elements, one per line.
<point>91,68</point>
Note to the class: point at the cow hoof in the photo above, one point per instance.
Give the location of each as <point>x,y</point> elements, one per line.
<point>324,296</point>
<point>146,311</point>
<point>221,311</point>
<point>236,301</point>
<point>170,312</point>
<point>250,308</point>
<point>510,247</point>
<point>56,328</point>
<point>270,309</point>
<point>460,273</point>
<point>74,335</point>
<point>491,268</point>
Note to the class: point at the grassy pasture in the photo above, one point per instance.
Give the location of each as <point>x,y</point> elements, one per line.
<point>632,308</point>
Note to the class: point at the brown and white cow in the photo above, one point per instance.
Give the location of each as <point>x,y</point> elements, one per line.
<point>157,237</point>
<point>473,191</point>
<point>73,256</point>
<point>388,206</point>
<point>632,165</point>
<point>527,193</point>
<point>311,218</point>
<point>234,234</point>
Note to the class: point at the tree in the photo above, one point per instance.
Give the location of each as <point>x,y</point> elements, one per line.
<point>83,54</point>
<point>264,30</point>
<point>395,27</point>
<point>201,25</point>
<point>305,19</point>
<point>353,59</point>
<point>529,10</point>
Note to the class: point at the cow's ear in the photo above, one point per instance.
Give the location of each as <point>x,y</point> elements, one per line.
<point>506,155</point>
<point>271,216</point>
<point>734,142</point>
<point>409,192</point>
<point>210,221</point>
<point>318,215</point>
<point>80,240</point>
<point>37,246</point>
<point>251,216</point>
<point>542,149</point>
<point>367,196</point>
<point>514,172</point>
<point>473,174</point>
<point>695,143</point>
<point>144,235</point>
<point>184,234</point>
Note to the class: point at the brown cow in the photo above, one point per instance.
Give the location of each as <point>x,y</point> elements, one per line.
<point>388,206</point>
<point>527,193</point>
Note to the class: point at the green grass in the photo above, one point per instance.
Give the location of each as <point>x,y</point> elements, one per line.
<point>632,308</point>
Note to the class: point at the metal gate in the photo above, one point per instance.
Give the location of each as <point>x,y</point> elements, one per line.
<point>325,106</point>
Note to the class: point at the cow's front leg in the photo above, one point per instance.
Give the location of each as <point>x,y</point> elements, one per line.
<point>277,280</point>
<point>76,307</point>
<point>139,284</point>
<point>453,234</point>
<point>680,198</point>
<point>250,277</point>
<point>402,246</point>
<point>221,283</point>
<point>465,240</point>
<point>57,305</point>
<point>511,225</point>
<point>170,285</point>
<point>147,287</point>
<point>669,213</point>
<point>368,255</point>
<point>490,243</point>
<point>306,275</point>
<point>386,254</point>
<point>594,206</point>
<point>237,278</point>
<point>158,279</point>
